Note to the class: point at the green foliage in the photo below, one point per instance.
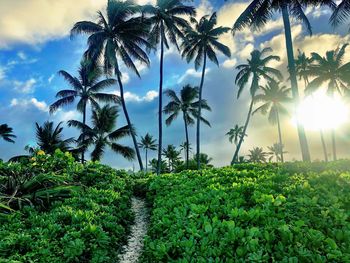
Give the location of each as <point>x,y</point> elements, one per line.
<point>251,213</point>
<point>81,228</point>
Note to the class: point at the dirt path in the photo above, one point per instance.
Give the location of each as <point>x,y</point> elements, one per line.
<point>132,251</point>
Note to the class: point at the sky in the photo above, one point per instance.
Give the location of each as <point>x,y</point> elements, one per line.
<point>35,45</point>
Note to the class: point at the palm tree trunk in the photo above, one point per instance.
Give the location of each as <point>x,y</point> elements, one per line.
<point>84,122</point>
<point>146,161</point>
<point>294,83</point>
<point>187,141</point>
<point>334,146</point>
<point>280,135</point>
<point>133,135</point>
<point>200,111</point>
<point>235,156</point>
<point>324,146</point>
<point>160,108</point>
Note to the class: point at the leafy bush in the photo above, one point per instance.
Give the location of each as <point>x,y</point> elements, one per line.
<point>251,213</point>
<point>89,226</point>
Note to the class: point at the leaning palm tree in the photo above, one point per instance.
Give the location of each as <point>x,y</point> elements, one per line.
<point>87,87</point>
<point>167,25</point>
<point>257,14</point>
<point>252,74</point>
<point>332,70</point>
<point>257,155</point>
<point>276,151</point>
<point>202,43</point>
<point>186,104</point>
<point>49,138</point>
<point>6,133</point>
<point>103,134</point>
<point>302,63</point>
<point>235,134</point>
<point>118,36</point>
<point>273,98</point>
<point>148,144</point>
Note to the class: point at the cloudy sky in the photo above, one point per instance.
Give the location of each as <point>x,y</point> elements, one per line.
<point>35,45</point>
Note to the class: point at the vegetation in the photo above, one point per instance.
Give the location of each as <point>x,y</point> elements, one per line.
<point>148,144</point>
<point>6,133</point>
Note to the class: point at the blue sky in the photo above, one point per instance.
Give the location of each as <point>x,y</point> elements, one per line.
<point>34,48</point>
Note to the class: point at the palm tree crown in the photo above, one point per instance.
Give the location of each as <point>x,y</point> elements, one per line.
<point>148,144</point>
<point>235,133</point>
<point>302,63</point>
<point>6,133</point>
<point>257,155</point>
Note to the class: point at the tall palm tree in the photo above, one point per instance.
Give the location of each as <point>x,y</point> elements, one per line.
<point>6,133</point>
<point>235,134</point>
<point>332,70</point>
<point>302,63</point>
<point>187,104</point>
<point>148,144</point>
<point>276,151</point>
<point>257,14</point>
<point>257,155</point>
<point>50,138</point>
<point>273,98</point>
<point>202,43</point>
<point>167,25</point>
<point>87,87</point>
<point>103,134</point>
<point>252,74</point>
<point>186,148</point>
<point>173,156</point>
<point>118,36</point>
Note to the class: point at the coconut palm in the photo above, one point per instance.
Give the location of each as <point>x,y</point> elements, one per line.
<point>257,14</point>
<point>257,155</point>
<point>186,104</point>
<point>341,13</point>
<point>252,73</point>
<point>49,138</point>
<point>276,151</point>
<point>235,134</point>
<point>148,144</point>
<point>173,156</point>
<point>186,148</point>
<point>205,160</point>
<point>167,26</point>
<point>6,133</point>
<point>87,87</point>
<point>302,63</point>
<point>202,43</point>
<point>118,36</point>
<point>273,98</point>
<point>103,134</point>
<point>331,70</point>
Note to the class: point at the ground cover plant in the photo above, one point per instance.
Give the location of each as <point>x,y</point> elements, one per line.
<point>87,222</point>
<point>251,213</point>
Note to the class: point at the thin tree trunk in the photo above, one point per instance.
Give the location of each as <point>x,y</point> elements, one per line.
<point>324,146</point>
<point>160,106</point>
<point>187,141</point>
<point>280,135</point>
<point>146,162</point>
<point>133,135</point>
<point>235,156</point>
<point>334,146</point>
<point>200,111</point>
<point>294,83</point>
<point>84,122</point>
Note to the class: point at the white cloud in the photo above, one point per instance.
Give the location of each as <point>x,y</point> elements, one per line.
<point>22,55</point>
<point>129,96</point>
<point>191,73</point>
<point>26,86</point>
<point>229,63</point>
<point>204,8</point>
<point>245,53</point>
<point>50,79</point>
<point>25,103</point>
<point>2,73</point>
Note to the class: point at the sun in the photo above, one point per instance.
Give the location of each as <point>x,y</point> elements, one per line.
<point>320,111</point>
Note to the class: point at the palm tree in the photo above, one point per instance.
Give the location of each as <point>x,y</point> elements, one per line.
<point>200,44</point>
<point>302,63</point>
<point>167,25</point>
<point>187,104</point>
<point>331,70</point>
<point>186,148</point>
<point>204,159</point>
<point>148,144</point>
<point>118,36</point>
<point>154,166</point>
<point>235,134</point>
<point>256,70</point>
<point>257,155</point>
<point>257,14</point>
<point>87,87</point>
<point>50,138</point>
<point>6,133</point>
<point>273,97</point>
<point>172,155</point>
<point>341,13</point>
<point>276,151</point>
<point>103,133</point>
